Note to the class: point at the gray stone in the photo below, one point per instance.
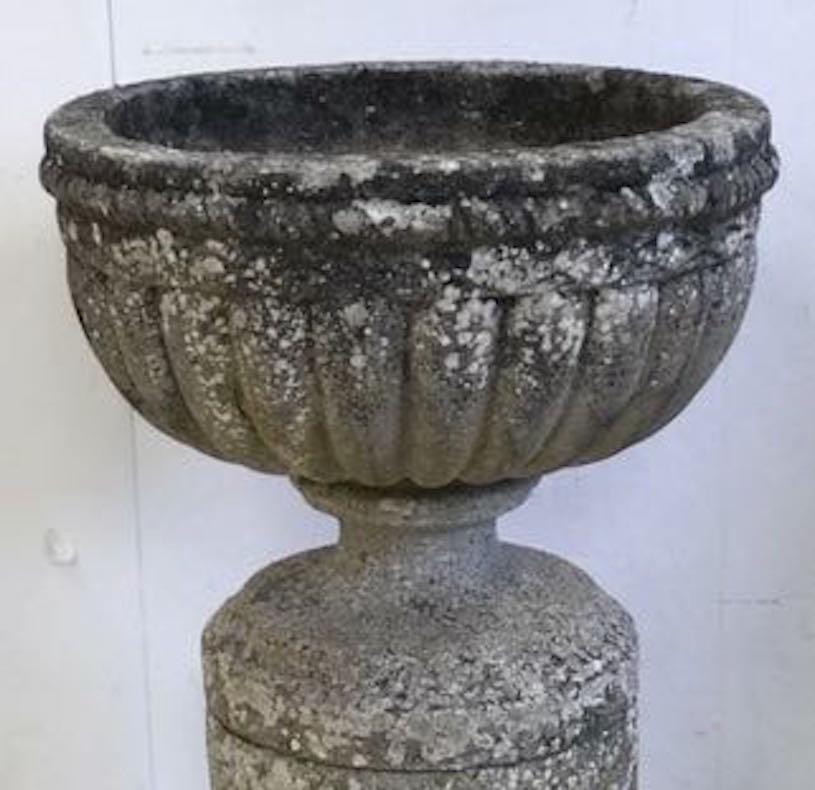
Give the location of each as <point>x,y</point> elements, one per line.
<point>414,288</point>
<point>418,649</point>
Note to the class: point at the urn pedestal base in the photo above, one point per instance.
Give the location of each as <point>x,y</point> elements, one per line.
<point>421,652</point>
<point>239,765</point>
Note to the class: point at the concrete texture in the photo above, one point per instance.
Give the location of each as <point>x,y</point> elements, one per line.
<point>399,277</point>
<point>361,302</point>
<point>430,653</point>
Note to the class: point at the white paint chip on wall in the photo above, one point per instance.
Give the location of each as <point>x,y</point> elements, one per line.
<point>60,549</point>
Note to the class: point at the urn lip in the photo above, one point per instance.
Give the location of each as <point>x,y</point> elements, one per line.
<point>709,127</point>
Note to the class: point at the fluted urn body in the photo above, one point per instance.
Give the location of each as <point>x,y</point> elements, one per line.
<point>412,282</point>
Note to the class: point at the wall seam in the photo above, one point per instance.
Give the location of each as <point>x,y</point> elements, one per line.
<point>724,538</point>
<point>111,42</point>
<point>147,680</point>
<point>141,593</point>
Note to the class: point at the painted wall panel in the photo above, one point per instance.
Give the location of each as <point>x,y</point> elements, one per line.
<point>72,705</point>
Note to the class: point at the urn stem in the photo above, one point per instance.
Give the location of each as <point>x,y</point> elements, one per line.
<point>420,559</point>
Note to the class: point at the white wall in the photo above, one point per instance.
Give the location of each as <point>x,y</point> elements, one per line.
<point>704,532</point>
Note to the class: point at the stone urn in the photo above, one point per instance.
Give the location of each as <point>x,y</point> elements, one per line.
<point>414,288</point>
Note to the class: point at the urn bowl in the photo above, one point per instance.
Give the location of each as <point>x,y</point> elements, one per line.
<point>426,272</point>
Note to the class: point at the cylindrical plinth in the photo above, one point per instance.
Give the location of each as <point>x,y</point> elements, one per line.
<point>421,652</point>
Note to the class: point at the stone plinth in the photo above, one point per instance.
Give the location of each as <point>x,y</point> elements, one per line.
<point>421,652</point>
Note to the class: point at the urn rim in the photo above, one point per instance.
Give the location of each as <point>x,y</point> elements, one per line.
<point>721,127</point>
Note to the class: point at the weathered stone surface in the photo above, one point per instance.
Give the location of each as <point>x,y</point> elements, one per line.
<point>414,288</point>
<point>424,649</point>
<point>428,273</point>
<point>607,764</point>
